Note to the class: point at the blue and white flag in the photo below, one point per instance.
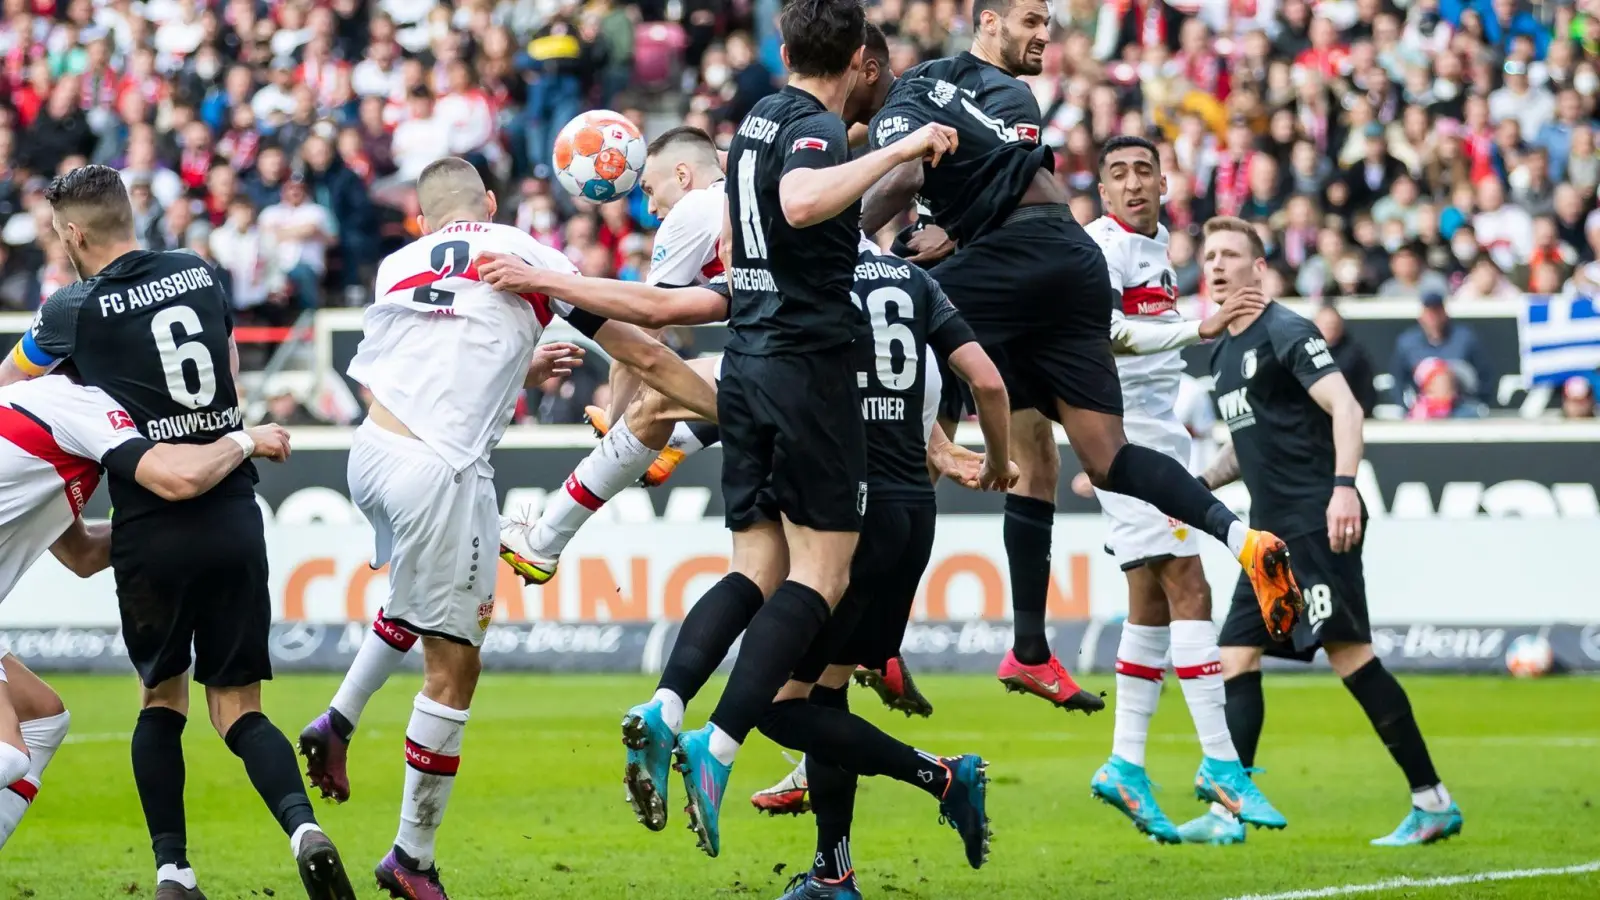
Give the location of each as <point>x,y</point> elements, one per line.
<point>1560,338</point>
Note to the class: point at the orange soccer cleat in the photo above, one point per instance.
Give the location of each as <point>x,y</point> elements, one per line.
<point>595,417</point>
<point>1266,562</point>
<point>662,468</point>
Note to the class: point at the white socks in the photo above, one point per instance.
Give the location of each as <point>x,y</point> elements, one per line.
<point>1434,799</point>
<point>1141,661</point>
<point>13,764</point>
<point>172,873</point>
<point>683,440</point>
<point>1198,660</point>
<point>382,651</point>
<point>42,737</point>
<point>723,747</point>
<point>433,754</point>
<point>1237,532</point>
<point>617,462</point>
<point>671,709</point>
<point>300,835</point>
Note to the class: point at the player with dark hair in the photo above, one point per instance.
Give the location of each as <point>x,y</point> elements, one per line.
<point>1297,444</point>
<point>1034,287</point>
<point>1169,601</point>
<point>154,331</point>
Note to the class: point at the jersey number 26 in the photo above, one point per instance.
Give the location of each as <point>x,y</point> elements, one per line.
<point>887,335</point>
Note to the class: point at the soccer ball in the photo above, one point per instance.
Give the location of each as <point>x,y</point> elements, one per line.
<point>1529,656</point>
<point>599,155</point>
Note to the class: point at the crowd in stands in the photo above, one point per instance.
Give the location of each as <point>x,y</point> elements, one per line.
<point>1444,150</point>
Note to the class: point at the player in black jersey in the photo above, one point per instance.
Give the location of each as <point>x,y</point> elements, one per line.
<point>1035,289</point>
<point>154,330</point>
<point>794,448</point>
<point>1297,444</point>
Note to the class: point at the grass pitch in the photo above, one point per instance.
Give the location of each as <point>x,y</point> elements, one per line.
<point>538,810</point>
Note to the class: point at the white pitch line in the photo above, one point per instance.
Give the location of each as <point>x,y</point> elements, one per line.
<point>108,737</point>
<point>1444,881</point>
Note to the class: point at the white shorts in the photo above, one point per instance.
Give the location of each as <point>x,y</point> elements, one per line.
<point>1139,533</point>
<point>438,529</point>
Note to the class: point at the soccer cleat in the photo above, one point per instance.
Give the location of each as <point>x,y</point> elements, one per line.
<point>1125,787</point>
<point>895,687</point>
<point>1050,681</point>
<point>595,417</point>
<point>807,886</point>
<point>662,468</point>
<point>1228,783</point>
<point>321,870</point>
<point>171,890</point>
<point>1266,562</point>
<point>787,797</point>
<point>402,877</point>
<point>649,763</point>
<point>1423,827</point>
<point>704,780</point>
<point>964,805</point>
<point>1212,829</point>
<point>518,553</point>
<point>325,753</point>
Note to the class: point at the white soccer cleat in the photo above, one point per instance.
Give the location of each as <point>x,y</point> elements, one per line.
<point>517,551</point>
<point>787,797</point>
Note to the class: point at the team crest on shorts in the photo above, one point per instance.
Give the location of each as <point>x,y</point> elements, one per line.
<point>1180,528</point>
<point>485,612</point>
<point>861,498</point>
<point>1247,364</point>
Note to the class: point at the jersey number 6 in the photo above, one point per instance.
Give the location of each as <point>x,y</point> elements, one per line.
<point>164,327</point>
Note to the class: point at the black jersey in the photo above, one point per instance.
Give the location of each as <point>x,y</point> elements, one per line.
<point>791,286</point>
<point>152,330</point>
<point>973,190</point>
<point>909,316</point>
<point>1283,438</point>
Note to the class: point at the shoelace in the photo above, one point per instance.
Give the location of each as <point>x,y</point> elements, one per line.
<point>798,879</point>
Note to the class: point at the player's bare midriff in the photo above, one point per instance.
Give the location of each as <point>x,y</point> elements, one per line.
<point>386,420</point>
<point>1044,190</point>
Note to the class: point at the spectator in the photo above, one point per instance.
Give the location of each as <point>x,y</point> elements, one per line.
<point>1530,107</point>
<point>266,185</point>
<point>1377,171</point>
<point>61,130</point>
<point>146,214</point>
<point>1577,398</point>
<point>297,232</point>
<point>421,138</point>
<point>1409,278</point>
<point>468,116</point>
<point>1349,356</point>
<point>274,101</point>
<point>1531,187</point>
<point>750,78</point>
<point>141,162</point>
<point>1505,231</point>
<point>562,66</point>
<point>1556,136</point>
<point>172,230</point>
<point>237,247</point>
<point>1436,335</point>
<point>1438,395</point>
<point>1486,281</point>
<point>284,408</point>
<point>335,188</point>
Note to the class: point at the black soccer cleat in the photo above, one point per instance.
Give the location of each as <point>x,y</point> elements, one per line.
<point>171,890</point>
<point>895,687</point>
<point>321,870</point>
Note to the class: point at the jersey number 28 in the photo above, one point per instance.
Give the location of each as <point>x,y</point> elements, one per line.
<point>886,335</point>
<point>167,326</point>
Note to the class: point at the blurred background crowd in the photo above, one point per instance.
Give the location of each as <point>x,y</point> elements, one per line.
<point>1442,152</point>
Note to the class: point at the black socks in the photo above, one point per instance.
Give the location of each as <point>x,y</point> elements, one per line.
<point>1387,707</point>
<point>1027,537</point>
<point>710,628</point>
<point>270,762</point>
<point>1246,710</point>
<point>1164,483</point>
<point>833,798</point>
<point>777,638</point>
<point>835,737</point>
<point>158,773</point>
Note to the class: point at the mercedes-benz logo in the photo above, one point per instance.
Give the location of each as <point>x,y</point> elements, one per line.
<point>1589,641</point>
<point>295,641</point>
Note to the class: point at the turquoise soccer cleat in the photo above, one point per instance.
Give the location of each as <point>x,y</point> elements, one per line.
<point>964,805</point>
<point>649,763</point>
<point>1228,783</point>
<point>807,886</point>
<point>1422,827</point>
<point>1125,787</point>
<point>704,780</point>
<point>1212,829</point>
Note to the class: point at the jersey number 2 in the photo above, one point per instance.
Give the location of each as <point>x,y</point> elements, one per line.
<point>164,327</point>
<point>886,335</point>
<point>755,241</point>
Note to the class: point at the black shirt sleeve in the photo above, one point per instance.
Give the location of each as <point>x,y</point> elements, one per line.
<point>1298,344</point>
<point>947,331</point>
<point>55,328</point>
<point>123,460</point>
<point>816,142</point>
<point>586,323</point>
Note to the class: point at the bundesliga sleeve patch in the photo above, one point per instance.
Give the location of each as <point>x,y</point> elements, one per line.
<point>120,420</point>
<point>809,143</point>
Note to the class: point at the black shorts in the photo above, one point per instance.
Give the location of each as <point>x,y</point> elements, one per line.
<point>870,621</point>
<point>196,575</point>
<point>1335,590</point>
<point>793,441</point>
<point>1037,294</point>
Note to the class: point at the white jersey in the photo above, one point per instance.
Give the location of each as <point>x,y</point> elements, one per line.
<point>53,436</point>
<point>446,353</point>
<point>1146,328</point>
<point>686,242</point>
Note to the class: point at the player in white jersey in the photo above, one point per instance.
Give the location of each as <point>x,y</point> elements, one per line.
<point>1169,602</point>
<point>445,356</point>
<point>55,438</point>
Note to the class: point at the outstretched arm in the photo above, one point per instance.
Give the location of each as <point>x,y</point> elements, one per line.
<point>812,195</point>
<point>891,196</point>
<point>658,366</point>
<point>84,549</point>
<point>624,301</point>
<point>184,471</point>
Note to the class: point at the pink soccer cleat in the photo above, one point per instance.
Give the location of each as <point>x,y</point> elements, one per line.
<point>1050,681</point>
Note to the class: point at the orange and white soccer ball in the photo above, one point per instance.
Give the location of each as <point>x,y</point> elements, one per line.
<point>599,155</point>
<point>1529,656</point>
